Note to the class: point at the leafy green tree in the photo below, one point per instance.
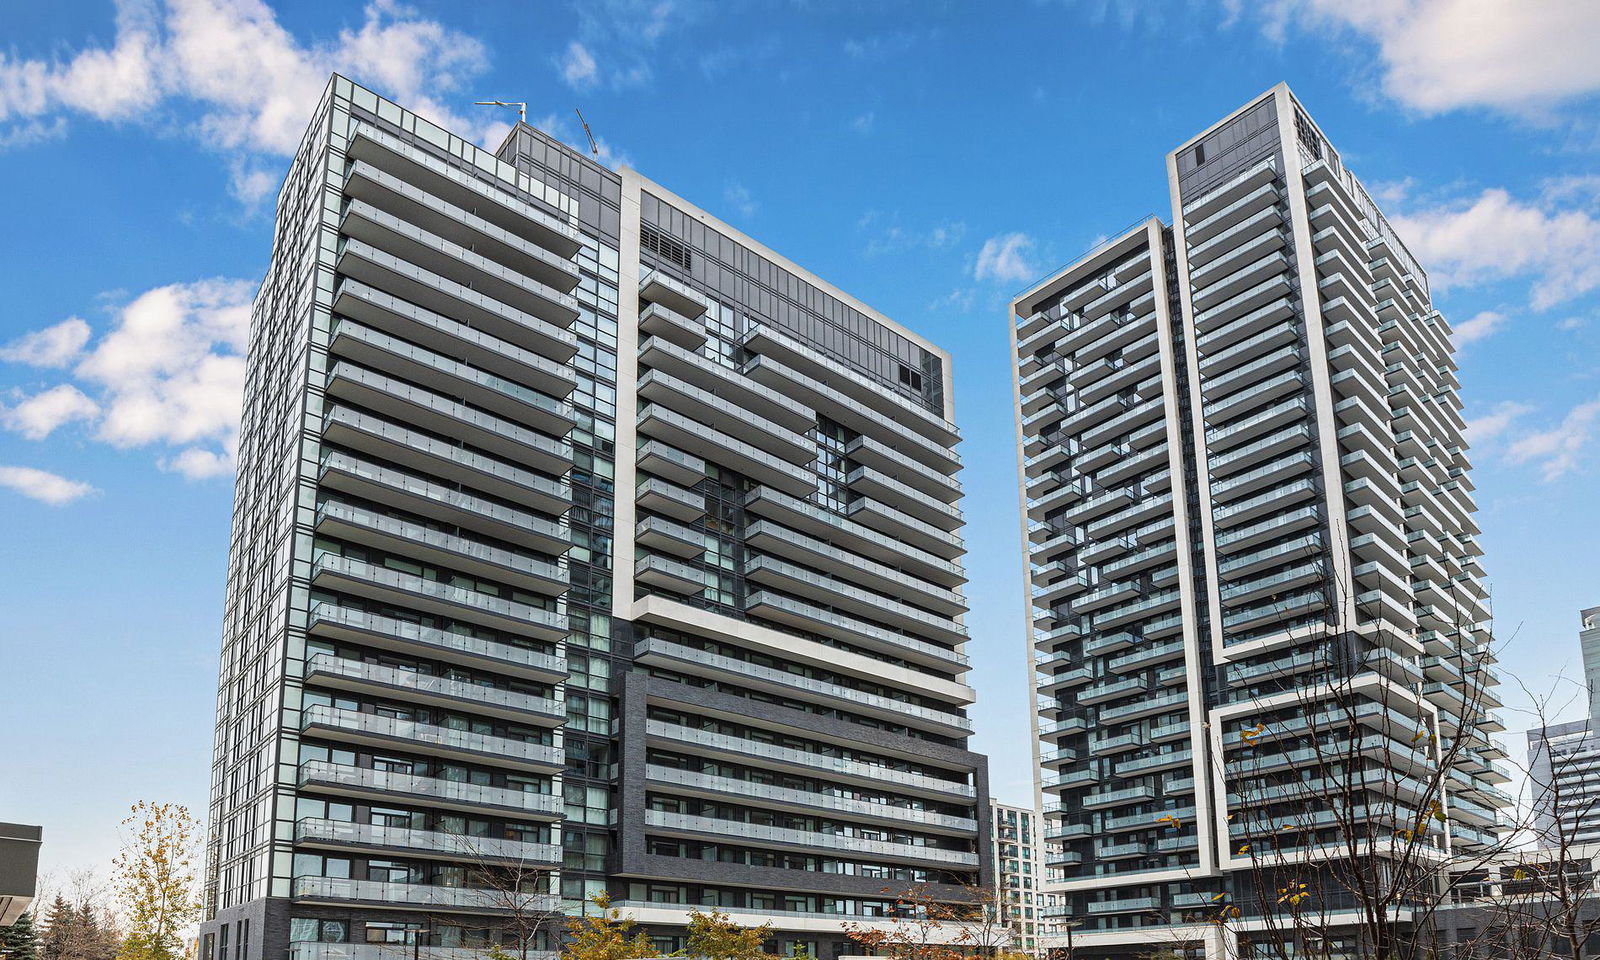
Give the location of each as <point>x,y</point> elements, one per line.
<point>607,935</point>
<point>19,941</point>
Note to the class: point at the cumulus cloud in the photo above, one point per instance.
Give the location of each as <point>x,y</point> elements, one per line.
<point>1494,236</point>
<point>863,123</point>
<point>578,68</point>
<point>888,235</point>
<point>1523,58</point>
<point>1479,326</point>
<point>741,199</point>
<point>38,416</point>
<point>628,32</point>
<point>169,373</point>
<point>43,486</point>
<point>1495,423</point>
<point>1555,451</point>
<point>250,80</point>
<point>1005,259</point>
<point>55,346</point>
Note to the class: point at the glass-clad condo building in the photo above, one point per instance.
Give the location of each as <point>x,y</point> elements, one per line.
<point>1253,560</point>
<point>581,544</point>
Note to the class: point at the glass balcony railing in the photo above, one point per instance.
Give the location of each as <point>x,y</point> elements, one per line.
<point>459,846</point>
<point>394,731</point>
<point>329,616</point>
<point>455,794</point>
<point>767,795</point>
<point>394,529</point>
<point>763,835</point>
<point>448,599</point>
<point>466,899</point>
<point>411,684</point>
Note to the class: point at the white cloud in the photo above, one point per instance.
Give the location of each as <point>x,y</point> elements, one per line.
<point>863,123</point>
<point>740,198</point>
<point>890,236</point>
<point>1495,236</point>
<point>1479,326</point>
<point>1495,423</point>
<point>55,346</point>
<point>170,372</point>
<point>250,80</point>
<point>38,416</point>
<point>1004,259</point>
<point>43,486</point>
<point>578,69</point>
<point>1438,55</point>
<point>1555,451</point>
<point>1572,323</point>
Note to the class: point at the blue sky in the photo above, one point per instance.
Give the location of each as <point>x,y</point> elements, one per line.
<point>929,157</point>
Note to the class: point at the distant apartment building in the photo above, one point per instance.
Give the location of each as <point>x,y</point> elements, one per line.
<point>1248,516</point>
<point>1019,870</point>
<point>1564,760</point>
<point>582,544</point>
<point>19,869</point>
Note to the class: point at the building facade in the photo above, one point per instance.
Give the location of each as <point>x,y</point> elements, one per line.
<point>1019,870</point>
<point>1564,760</point>
<point>581,544</point>
<point>1249,519</point>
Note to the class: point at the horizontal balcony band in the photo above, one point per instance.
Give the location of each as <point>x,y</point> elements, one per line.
<point>664,497</point>
<point>411,203</point>
<point>653,651</point>
<point>870,452</point>
<point>428,738</point>
<point>775,539</point>
<point>826,524</point>
<point>721,413</point>
<point>728,384</point>
<point>665,460</point>
<point>495,202</point>
<point>424,844</point>
<point>402,589</point>
<point>661,822</point>
<point>373,308</point>
<point>767,796</point>
<point>331,620</point>
<point>829,623</point>
<point>657,320</point>
<point>845,595</point>
<point>359,525</point>
<point>385,786</point>
<point>341,673</point>
<point>658,286</point>
<point>439,414</point>
<point>412,449</point>
<point>724,449</point>
<point>437,501</point>
<point>673,575</point>
<point>886,489</point>
<point>856,771</point>
<point>665,536</point>
<point>897,523</point>
<point>418,896</point>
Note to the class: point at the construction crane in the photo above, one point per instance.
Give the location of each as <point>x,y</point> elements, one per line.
<point>594,148</point>
<point>522,108</point>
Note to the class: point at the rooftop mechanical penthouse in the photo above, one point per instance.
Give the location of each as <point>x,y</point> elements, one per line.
<point>581,544</point>
<point>1250,526</point>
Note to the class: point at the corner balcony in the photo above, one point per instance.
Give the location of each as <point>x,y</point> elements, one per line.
<point>744,750</point>
<point>775,539</point>
<point>331,620</point>
<point>413,450</point>
<point>493,392</point>
<point>400,318</point>
<point>437,501</point>
<point>417,896</point>
<point>339,835</point>
<point>331,572</point>
<point>413,205</point>
<point>654,651</point>
<point>389,733</point>
<point>385,787</point>
<point>409,686</point>
<point>361,525</point>
<point>660,822</point>
<point>829,623</point>
<point>802,515</point>
<point>728,789</point>
<point>439,414</point>
<point>724,449</point>
<point>544,332</point>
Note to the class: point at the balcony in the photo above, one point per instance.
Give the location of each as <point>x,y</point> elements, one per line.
<point>412,405</point>
<point>665,536</point>
<point>384,786</point>
<point>331,620</point>
<point>767,796</point>
<point>668,461</point>
<point>659,320</point>
<point>732,390</point>
<point>409,686</point>
<point>764,837</point>
<point>672,293</point>
<point>829,623</point>
<point>888,460</point>
<point>664,497</point>
<point>361,525</point>
<point>914,502</point>
<point>492,392</point>
<point>399,318</point>
<point>315,950</point>
<point>724,413</point>
<point>654,651</point>
<point>744,750</point>
<point>387,733</point>
<point>724,449</point>
<point>417,896</point>
<point>401,589</point>
<point>427,844</point>
<point>410,449</point>
<point>798,514</point>
<point>673,575</point>
<point>847,597</point>
<point>777,540</point>
<point>902,525</point>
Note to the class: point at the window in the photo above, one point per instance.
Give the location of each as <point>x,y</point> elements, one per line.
<point>1199,154</point>
<point>910,378</point>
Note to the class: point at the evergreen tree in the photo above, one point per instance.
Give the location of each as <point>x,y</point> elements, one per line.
<point>57,927</point>
<point>19,941</point>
